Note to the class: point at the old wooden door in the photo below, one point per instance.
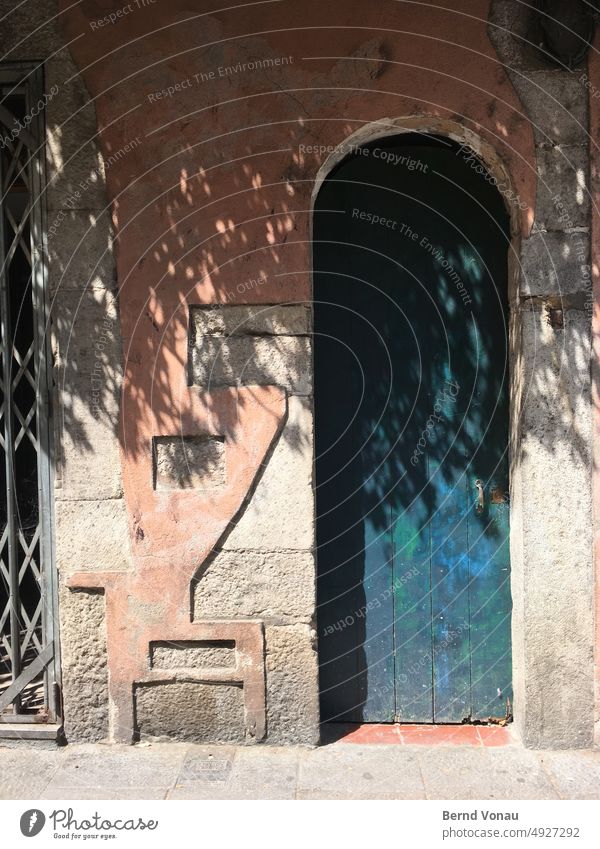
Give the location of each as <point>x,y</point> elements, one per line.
<point>411,407</point>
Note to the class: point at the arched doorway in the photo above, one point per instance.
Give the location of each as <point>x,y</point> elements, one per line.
<point>410,250</point>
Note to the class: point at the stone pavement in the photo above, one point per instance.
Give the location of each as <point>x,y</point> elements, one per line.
<point>339,770</point>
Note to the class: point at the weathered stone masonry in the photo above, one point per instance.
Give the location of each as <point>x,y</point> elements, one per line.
<point>553,627</point>
<point>179,246</point>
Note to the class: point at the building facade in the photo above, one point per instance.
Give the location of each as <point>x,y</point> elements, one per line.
<point>175,164</point>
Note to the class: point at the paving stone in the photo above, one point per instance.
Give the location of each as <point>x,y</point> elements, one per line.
<point>335,771</point>
<point>575,775</point>
<point>264,773</point>
<point>104,767</point>
<point>198,790</point>
<point>360,772</point>
<point>208,764</point>
<point>257,772</point>
<point>104,792</point>
<point>480,773</point>
<point>24,773</point>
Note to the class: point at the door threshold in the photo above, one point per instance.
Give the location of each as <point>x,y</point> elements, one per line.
<point>418,735</point>
<point>29,731</point>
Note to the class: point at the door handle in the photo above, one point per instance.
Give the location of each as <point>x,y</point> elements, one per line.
<point>480,496</point>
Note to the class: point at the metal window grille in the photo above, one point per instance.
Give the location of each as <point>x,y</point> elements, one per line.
<point>28,605</point>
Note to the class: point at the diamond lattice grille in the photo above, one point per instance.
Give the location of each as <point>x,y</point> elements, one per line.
<point>23,612</point>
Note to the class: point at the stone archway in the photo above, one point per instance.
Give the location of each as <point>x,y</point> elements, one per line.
<point>488,164</point>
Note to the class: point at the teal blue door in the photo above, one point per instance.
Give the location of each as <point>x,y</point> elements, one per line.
<point>411,422</point>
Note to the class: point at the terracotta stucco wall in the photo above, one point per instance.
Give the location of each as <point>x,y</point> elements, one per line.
<point>216,196</point>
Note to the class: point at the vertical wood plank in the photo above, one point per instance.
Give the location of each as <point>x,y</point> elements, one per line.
<point>378,677</point>
<point>490,608</point>
<point>412,605</point>
<point>450,598</point>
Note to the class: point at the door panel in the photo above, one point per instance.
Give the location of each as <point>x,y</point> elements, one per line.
<point>412,608</point>
<point>490,607</point>
<point>411,408</point>
<point>450,598</point>
<point>378,702</point>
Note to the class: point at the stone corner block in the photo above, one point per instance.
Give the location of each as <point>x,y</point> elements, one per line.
<point>92,536</point>
<point>555,263</point>
<point>563,199</point>
<point>292,685</point>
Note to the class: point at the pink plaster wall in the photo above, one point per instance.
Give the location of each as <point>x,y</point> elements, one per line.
<point>217,192</point>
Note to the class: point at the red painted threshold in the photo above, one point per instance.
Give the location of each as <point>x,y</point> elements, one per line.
<point>429,735</point>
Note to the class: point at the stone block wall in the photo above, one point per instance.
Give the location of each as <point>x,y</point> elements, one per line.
<point>264,567</point>
<point>551,522</point>
<point>90,520</point>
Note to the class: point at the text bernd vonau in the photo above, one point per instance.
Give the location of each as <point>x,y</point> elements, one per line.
<point>476,815</point>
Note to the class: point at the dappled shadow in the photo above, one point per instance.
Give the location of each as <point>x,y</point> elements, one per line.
<point>210,199</point>
<point>412,424</point>
<point>419,311</point>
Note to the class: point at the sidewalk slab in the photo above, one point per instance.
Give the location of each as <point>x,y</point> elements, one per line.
<point>25,772</point>
<point>360,772</point>
<point>256,772</point>
<point>483,773</point>
<point>55,792</point>
<point>336,771</point>
<point>575,775</point>
<point>102,768</point>
<point>260,774</point>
